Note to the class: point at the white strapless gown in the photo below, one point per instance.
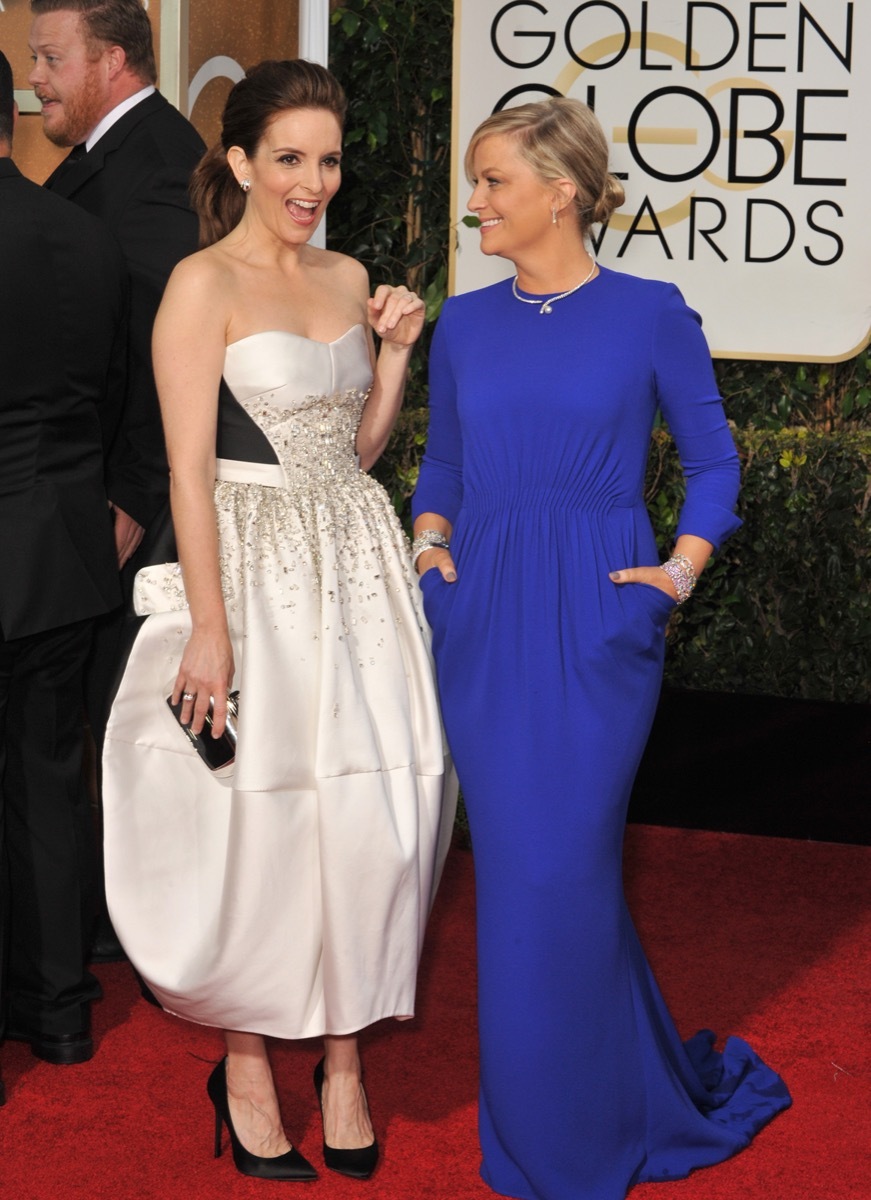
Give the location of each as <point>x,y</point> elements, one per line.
<point>291,898</point>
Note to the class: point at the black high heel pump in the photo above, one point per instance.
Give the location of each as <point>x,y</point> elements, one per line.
<point>290,1166</point>
<point>359,1163</point>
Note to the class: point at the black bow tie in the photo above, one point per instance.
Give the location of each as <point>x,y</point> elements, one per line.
<point>77,152</point>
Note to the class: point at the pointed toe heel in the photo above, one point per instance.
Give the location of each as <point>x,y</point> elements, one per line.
<point>356,1164</point>
<point>291,1166</point>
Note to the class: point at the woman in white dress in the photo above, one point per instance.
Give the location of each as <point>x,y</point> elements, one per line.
<point>285,895</point>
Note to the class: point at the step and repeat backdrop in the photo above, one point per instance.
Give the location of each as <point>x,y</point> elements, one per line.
<point>740,130</point>
<point>742,135</point>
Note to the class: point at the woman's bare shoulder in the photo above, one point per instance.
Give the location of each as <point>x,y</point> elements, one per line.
<point>199,299</point>
<point>344,269</point>
<point>206,268</point>
<point>203,283</point>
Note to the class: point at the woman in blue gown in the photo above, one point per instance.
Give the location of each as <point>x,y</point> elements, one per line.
<point>539,572</point>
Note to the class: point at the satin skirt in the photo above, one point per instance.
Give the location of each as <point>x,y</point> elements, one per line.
<point>289,896</point>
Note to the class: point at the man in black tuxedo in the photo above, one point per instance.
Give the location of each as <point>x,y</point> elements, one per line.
<point>94,72</point>
<point>63,309</point>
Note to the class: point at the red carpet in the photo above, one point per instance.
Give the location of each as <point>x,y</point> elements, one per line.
<point>764,937</point>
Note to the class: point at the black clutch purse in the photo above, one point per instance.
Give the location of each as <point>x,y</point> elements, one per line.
<point>216,753</point>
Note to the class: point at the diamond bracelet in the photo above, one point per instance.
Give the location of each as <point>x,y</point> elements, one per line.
<point>427,539</point>
<point>682,574</point>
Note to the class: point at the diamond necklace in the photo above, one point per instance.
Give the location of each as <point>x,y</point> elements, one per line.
<point>547,305</point>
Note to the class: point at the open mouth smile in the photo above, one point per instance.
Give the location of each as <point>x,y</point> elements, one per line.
<point>303,211</point>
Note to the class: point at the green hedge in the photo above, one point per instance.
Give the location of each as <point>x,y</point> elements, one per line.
<point>785,607</point>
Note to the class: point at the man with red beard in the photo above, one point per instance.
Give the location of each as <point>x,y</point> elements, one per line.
<point>94,73</point>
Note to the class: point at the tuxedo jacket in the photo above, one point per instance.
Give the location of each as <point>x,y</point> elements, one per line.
<point>63,298</point>
<point>135,179</point>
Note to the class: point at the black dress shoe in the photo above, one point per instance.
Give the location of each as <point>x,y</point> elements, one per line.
<point>105,947</point>
<point>63,1049</point>
<point>145,990</point>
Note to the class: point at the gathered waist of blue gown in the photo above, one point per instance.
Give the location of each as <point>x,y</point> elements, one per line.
<point>535,498</point>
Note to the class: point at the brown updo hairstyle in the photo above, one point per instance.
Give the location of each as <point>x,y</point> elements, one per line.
<point>269,89</point>
<point>559,138</point>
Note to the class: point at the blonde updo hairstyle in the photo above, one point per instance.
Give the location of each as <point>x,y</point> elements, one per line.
<point>559,138</point>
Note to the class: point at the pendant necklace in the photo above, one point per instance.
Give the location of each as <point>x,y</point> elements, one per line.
<point>546,306</point>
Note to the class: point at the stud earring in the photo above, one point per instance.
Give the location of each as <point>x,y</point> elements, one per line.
<point>245,185</point>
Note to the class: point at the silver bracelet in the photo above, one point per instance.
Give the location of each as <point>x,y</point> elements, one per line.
<point>682,574</point>
<point>427,539</point>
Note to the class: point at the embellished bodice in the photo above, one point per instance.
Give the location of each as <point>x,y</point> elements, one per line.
<point>288,489</point>
<point>289,414</point>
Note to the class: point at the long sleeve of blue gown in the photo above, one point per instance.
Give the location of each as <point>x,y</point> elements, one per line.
<point>691,404</point>
<point>440,486</point>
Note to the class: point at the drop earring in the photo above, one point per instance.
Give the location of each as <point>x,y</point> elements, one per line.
<point>553,214</point>
<point>245,185</point>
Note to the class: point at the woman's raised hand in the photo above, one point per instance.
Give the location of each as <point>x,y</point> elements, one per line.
<point>396,314</point>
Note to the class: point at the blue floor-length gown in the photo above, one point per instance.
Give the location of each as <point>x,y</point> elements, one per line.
<point>549,676</point>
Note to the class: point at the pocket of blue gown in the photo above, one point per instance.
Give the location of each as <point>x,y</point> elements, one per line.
<point>638,619</point>
<point>666,602</point>
<point>433,587</point>
<point>432,595</point>
<point>657,604</point>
